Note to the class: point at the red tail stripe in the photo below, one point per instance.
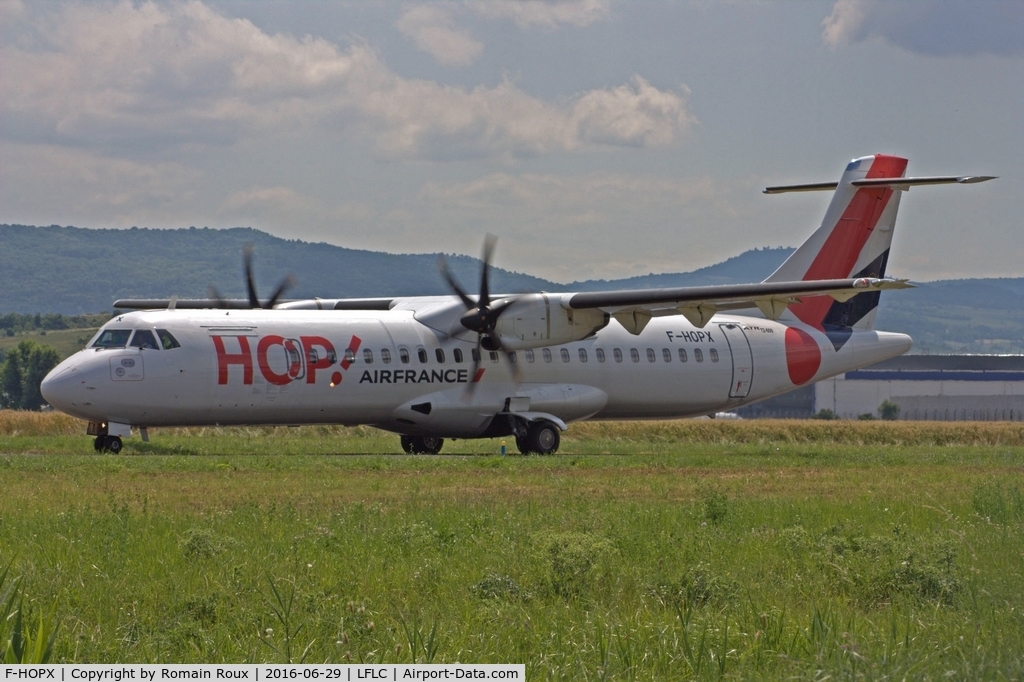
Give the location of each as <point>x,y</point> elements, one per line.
<point>842,248</point>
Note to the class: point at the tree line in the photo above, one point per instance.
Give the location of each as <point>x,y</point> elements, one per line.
<point>17,323</point>
<point>22,371</point>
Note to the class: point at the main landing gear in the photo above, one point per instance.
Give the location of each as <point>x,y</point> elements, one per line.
<point>111,444</point>
<point>539,437</point>
<point>422,445</point>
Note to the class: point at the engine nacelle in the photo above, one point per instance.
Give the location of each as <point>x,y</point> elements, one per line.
<point>537,320</point>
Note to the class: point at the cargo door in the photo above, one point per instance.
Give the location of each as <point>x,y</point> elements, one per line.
<point>742,360</point>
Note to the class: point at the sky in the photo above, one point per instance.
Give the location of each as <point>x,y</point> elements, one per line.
<point>596,139</point>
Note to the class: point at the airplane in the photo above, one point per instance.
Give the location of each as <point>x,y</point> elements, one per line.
<point>522,365</point>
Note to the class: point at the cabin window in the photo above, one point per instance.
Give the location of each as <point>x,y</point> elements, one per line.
<point>421,353</point>
<point>167,340</point>
<point>475,354</point>
<point>350,356</point>
<point>403,355</point>
<point>634,355</point>
<point>565,354</point>
<point>529,355</point>
<point>112,338</point>
<point>600,354</point>
<point>385,356</point>
<point>698,355</point>
<point>666,354</point>
<point>651,357</point>
<point>714,354</point>
<point>546,352</point>
<point>439,354</point>
<point>494,355</point>
<point>512,357</point>
<point>144,339</point>
<point>368,356</point>
<point>617,354</point>
<point>682,355</point>
<point>457,354</point>
<point>583,354</point>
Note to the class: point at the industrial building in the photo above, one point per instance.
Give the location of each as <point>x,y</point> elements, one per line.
<point>926,388</point>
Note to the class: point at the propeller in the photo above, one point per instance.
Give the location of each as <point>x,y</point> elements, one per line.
<point>481,315</point>
<point>250,282</point>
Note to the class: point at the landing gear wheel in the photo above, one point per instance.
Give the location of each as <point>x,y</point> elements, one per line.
<point>99,443</point>
<point>422,445</point>
<point>542,438</point>
<point>112,444</point>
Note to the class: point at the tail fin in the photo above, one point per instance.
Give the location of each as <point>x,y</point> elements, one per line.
<point>853,241</point>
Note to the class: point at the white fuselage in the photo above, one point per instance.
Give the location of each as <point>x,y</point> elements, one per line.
<point>386,369</point>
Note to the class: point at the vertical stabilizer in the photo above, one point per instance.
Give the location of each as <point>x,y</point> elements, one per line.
<point>852,241</point>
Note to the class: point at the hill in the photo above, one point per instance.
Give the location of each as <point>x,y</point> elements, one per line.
<point>72,270</point>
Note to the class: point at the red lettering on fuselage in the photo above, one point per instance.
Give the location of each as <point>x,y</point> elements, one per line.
<point>313,359</point>
<point>224,359</point>
<point>304,355</point>
<point>261,356</point>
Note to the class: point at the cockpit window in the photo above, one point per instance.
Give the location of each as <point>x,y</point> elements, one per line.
<point>166,340</point>
<point>111,338</point>
<point>144,339</point>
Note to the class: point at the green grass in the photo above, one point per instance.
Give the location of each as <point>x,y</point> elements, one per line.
<point>760,553</point>
<point>66,341</point>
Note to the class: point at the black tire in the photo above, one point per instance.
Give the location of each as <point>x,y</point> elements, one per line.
<point>113,444</point>
<point>523,445</point>
<point>430,445</point>
<point>99,443</point>
<point>543,438</point>
<point>422,445</point>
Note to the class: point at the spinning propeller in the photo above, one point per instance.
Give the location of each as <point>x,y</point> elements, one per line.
<point>250,281</point>
<point>481,315</point>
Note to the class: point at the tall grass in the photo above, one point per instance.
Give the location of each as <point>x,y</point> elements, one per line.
<point>606,434</point>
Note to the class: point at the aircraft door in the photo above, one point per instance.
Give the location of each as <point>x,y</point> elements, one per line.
<point>742,360</point>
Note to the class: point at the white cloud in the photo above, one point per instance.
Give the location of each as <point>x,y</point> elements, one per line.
<point>143,79</point>
<point>931,27</point>
<point>432,29</point>
<point>544,13</point>
<point>843,25</point>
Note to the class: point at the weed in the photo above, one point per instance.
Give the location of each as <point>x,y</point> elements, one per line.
<point>497,586</point>
<point>716,506</point>
<point>199,543</point>
<point>571,557</point>
<point>997,505</point>
<point>18,642</point>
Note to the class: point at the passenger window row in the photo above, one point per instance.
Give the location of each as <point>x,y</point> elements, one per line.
<point>530,355</point>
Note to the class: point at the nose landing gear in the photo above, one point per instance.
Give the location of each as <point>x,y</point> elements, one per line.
<point>108,444</point>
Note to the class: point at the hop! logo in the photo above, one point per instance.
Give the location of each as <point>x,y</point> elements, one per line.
<point>282,361</point>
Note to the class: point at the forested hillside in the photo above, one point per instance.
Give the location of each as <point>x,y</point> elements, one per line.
<point>71,271</point>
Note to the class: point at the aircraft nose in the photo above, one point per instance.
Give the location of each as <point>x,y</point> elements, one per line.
<point>61,387</point>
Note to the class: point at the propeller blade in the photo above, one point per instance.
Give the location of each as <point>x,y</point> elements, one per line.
<point>485,288</point>
<point>442,265</point>
<point>471,386</point>
<point>254,301</point>
<point>513,367</point>
<point>286,284</point>
<point>215,295</point>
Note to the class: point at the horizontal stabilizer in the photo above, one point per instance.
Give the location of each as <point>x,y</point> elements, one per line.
<point>896,183</point>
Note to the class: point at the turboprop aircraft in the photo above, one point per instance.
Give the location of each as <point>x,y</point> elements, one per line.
<point>522,365</point>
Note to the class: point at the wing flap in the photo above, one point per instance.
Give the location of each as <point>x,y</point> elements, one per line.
<point>634,308</point>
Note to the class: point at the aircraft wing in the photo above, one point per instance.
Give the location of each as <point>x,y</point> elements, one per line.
<point>244,304</point>
<point>634,308</point>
